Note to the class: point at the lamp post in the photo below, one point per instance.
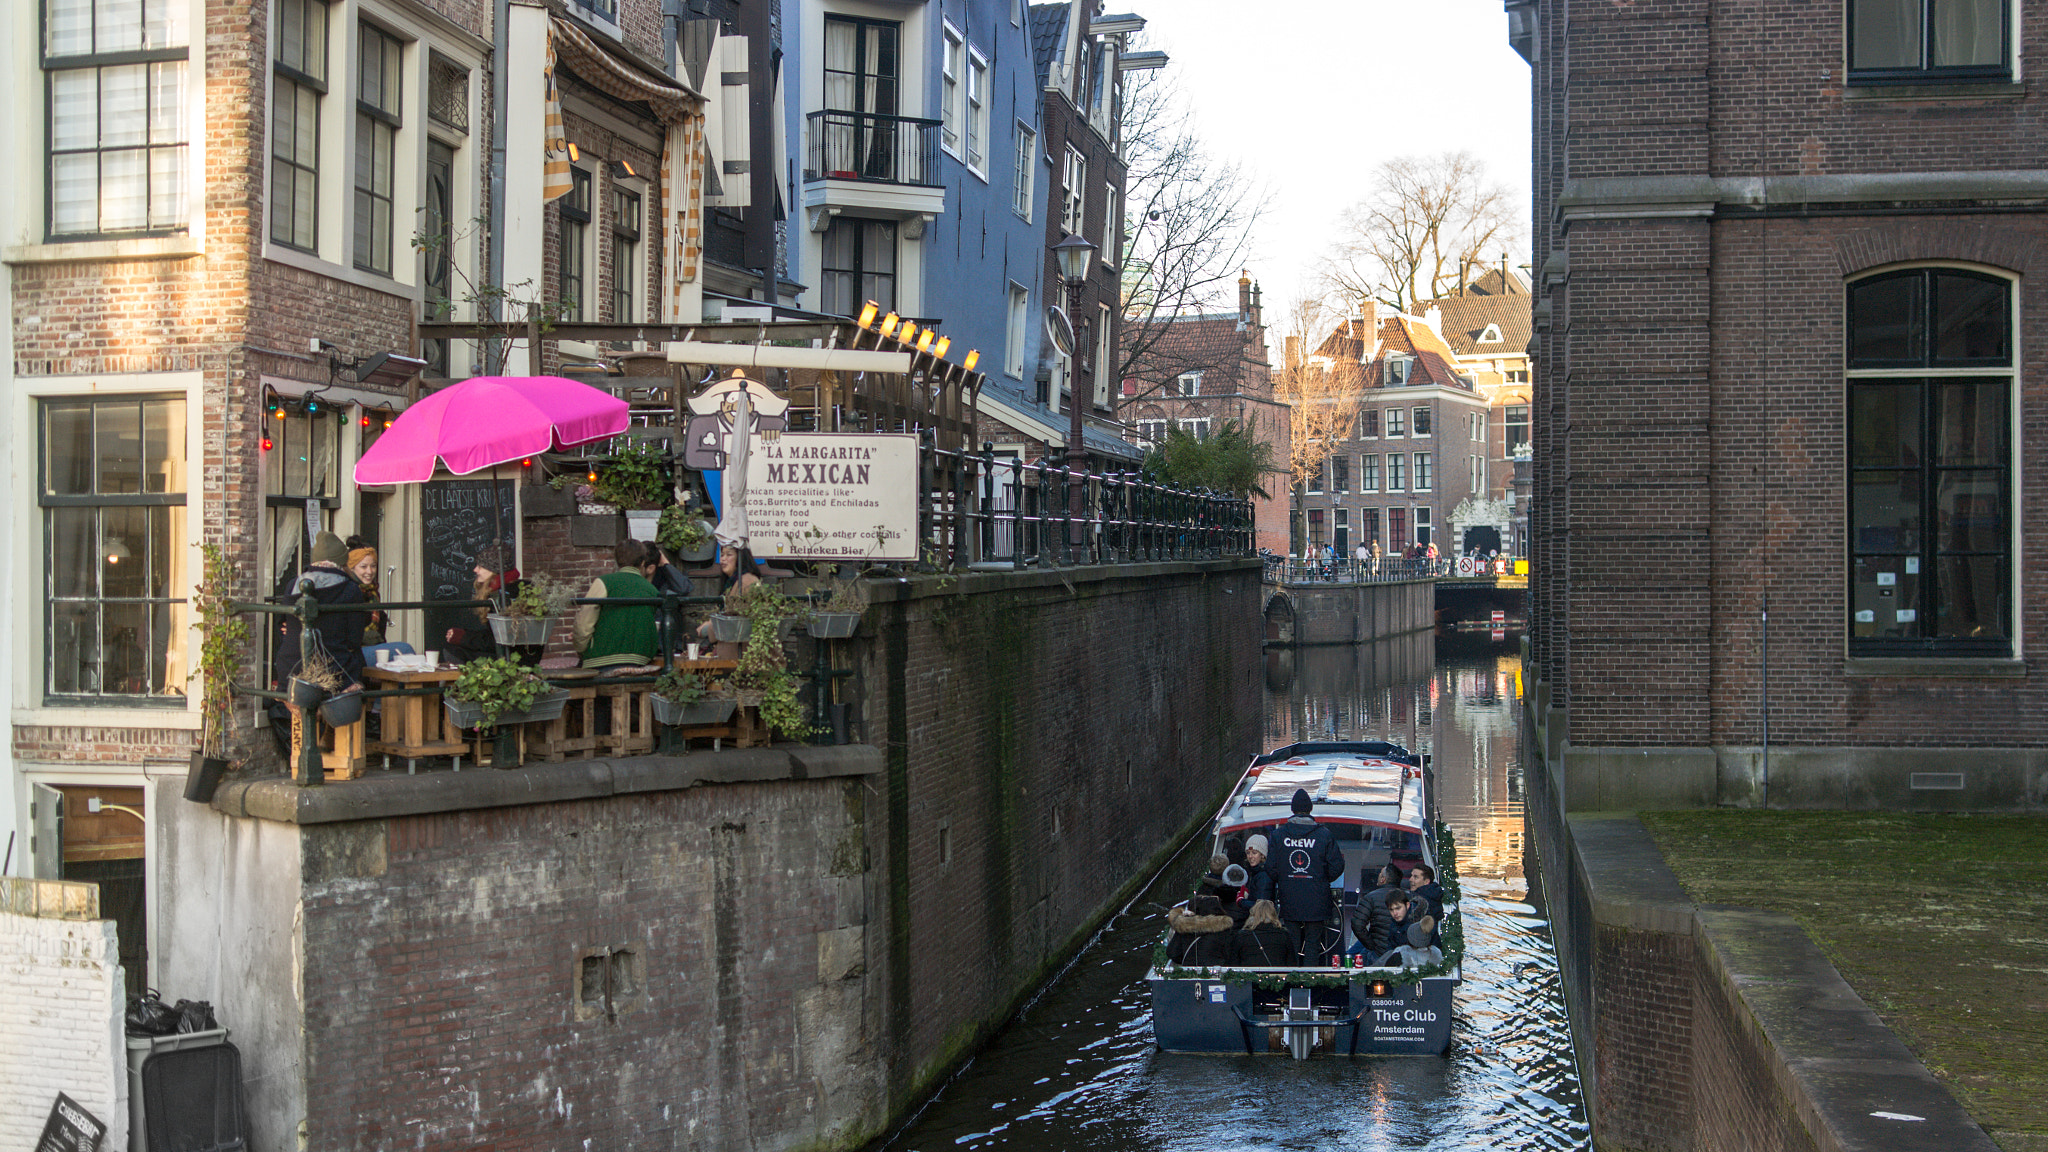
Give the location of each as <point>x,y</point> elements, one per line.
<point>1073,253</point>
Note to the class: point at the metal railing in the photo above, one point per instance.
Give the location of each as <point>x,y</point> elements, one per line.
<point>983,510</point>
<point>873,148</point>
<point>1387,569</point>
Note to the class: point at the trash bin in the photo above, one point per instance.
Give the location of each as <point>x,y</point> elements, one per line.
<point>140,1049</point>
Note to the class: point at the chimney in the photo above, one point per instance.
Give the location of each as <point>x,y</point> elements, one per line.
<point>1244,296</point>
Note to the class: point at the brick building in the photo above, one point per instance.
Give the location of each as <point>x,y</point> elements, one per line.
<point>214,266</point>
<point>1417,448</point>
<point>1198,372</point>
<point>1786,355</point>
<point>1487,329</point>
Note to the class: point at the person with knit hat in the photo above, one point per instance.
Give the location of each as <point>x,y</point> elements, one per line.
<point>1304,862</point>
<point>337,636</point>
<point>1259,885</point>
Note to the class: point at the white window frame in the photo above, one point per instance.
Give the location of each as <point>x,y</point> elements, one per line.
<point>1112,236</point>
<point>1397,369</point>
<point>976,117</point>
<point>1425,472</point>
<point>155,235</point>
<point>1394,423</point>
<point>1492,335</point>
<point>1019,330</point>
<point>1196,426</point>
<point>1369,472</point>
<point>1188,384</point>
<point>30,562</point>
<point>1424,531</point>
<point>952,59</point>
<point>1397,472</point>
<point>1074,192</point>
<point>1424,414</point>
<point>1151,431</point>
<point>333,256</point>
<point>1026,185</point>
<point>1105,355</point>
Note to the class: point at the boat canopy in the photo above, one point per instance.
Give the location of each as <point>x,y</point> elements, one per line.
<point>1347,787</point>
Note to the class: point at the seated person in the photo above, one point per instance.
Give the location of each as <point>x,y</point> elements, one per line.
<point>1263,941</point>
<point>1211,883</point>
<point>1398,906</point>
<point>1232,893</point>
<point>495,577</point>
<point>625,636</point>
<point>1261,885</point>
<point>1200,933</point>
<point>1422,883</point>
<point>1418,952</point>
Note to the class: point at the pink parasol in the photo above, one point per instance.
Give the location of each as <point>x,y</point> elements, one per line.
<point>487,421</point>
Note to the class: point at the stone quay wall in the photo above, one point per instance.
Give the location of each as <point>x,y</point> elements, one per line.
<point>1339,613</point>
<point>779,948</point>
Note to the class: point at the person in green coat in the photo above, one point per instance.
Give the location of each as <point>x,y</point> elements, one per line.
<point>623,636</point>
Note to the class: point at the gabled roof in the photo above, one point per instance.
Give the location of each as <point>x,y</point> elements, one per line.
<point>1048,25</point>
<point>1465,319</point>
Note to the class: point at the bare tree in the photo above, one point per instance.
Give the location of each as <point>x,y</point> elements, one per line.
<point>1188,221</point>
<point>1429,225</point>
<point>1322,379</point>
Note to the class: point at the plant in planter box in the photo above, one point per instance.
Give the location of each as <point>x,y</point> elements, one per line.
<point>761,668</point>
<point>531,612</point>
<point>839,616</point>
<point>683,698</point>
<point>499,688</point>
<point>683,534</point>
<point>221,637</point>
<point>636,478</point>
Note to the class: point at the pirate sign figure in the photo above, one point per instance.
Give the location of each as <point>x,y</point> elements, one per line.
<point>714,417</point>
<point>724,420</point>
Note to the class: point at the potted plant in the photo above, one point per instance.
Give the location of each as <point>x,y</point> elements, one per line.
<point>686,699</point>
<point>684,535</point>
<point>316,680</point>
<point>500,690</point>
<point>735,624</point>
<point>637,480</point>
<point>221,636</point>
<point>530,615</point>
<point>839,616</point>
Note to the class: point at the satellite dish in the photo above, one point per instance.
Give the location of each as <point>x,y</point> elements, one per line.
<point>1059,330</point>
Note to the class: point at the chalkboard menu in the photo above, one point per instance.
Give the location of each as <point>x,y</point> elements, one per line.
<point>70,1128</point>
<point>458,520</point>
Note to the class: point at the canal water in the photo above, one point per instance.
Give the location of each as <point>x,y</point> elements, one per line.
<point>1077,1070</point>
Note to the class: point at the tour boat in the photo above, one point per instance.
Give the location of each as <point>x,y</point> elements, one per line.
<point>1378,799</point>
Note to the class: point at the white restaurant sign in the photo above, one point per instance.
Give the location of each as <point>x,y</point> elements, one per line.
<point>833,496</point>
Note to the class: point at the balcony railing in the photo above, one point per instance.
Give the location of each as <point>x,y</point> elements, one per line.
<point>872,148</point>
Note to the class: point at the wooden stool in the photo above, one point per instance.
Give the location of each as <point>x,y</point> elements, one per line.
<point>343,750</point>
<point>578,733</point>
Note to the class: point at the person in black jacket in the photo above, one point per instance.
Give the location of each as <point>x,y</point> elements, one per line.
<point>1263,941</point>
<point>337,636</point>
<point>1260,885</point>
<point>1305,860</point>
<point>1376,928</point>
<point>1422,883</point>
<point>1200,933</point>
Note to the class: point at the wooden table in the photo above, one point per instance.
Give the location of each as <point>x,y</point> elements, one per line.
<point>416,726</point>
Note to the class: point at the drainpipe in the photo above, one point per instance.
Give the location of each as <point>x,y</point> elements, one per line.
<point>494,211</point>
<point>1764,626</point>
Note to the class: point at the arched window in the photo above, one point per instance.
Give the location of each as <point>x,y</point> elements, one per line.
<point>1930,392</point>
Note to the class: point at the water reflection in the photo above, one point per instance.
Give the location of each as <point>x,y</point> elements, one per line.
<point>1078,1071</point>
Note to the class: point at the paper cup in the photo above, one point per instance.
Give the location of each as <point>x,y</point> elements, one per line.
<point>693,650</point>
<point>433,658</point>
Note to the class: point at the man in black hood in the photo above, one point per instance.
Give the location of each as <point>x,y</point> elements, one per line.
<point>1304,860</point>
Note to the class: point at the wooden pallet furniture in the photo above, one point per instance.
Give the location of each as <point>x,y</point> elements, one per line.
<point>600,719</point>
<point>343,754</point>
<point>415,726</point>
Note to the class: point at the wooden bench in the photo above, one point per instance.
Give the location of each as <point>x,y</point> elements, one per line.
<point>600,719</point>
<point>343,751</point>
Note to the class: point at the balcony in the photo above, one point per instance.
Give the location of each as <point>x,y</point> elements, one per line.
<point>879,165</point>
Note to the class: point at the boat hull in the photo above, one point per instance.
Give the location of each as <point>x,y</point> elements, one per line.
<point>1220,1016</point>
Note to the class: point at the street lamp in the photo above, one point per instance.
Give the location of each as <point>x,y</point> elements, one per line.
<point>1073,252</point>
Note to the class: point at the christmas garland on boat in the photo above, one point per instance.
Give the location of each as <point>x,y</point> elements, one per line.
<point>1453,929</point>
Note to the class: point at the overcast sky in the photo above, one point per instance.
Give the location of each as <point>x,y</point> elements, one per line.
<point>1312,94</point>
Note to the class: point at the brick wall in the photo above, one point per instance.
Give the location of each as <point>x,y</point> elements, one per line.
<point>61,1003</point>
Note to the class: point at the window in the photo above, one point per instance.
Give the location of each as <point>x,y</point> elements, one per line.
<point>860,71</point>
<point>1342,539</point>
<point>1198,427</point>
<point>437,250</point>
<point>1915,41</point>
<point>1421,425</point>
<point>1027,175</point>
<point>626,273</point>
<point>112,493</point>
<point>1397,369</point>
<point>116,75</point>
<point>1491,335</point>
<point>1315,527</point>
<point>1516,424</point>
<point>575,244</point>
<point>378,78</point>
<point>1930,463</point>
<point>1110,240</point>
<point>1152,431</point>
<point>1315,482</point>
<point>858,261</point>
<point>949,92</point>
<point>1479,427</point>
<point>1517,375</point>
<point>1424,480</point>
<point>1368,423</point>
<point>1017,13</point>
<point>300,83</point>
<point>1422,525</point>
<point>977,112</point>
<point>1186,384</point>
<point>1368,524</point>
<point>1395,419</point>
<point>1020,320</point>
<point>1397,528</point>
<point>1397,465</point>
<point>1475,467</point>
<point>1105,354</point>
<point>1073,191</point>
<point>1340,472</point>
<point>1368,473</point>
